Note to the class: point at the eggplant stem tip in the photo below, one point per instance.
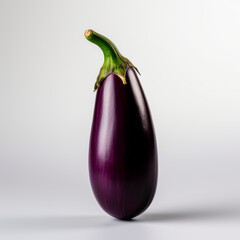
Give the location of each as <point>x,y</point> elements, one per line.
<point>88,33</point>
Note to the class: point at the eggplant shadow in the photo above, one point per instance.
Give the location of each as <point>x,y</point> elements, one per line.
<point>197,214</point>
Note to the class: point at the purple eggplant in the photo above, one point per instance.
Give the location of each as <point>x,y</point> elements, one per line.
<point>123,165</point>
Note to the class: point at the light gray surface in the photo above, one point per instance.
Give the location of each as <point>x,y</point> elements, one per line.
<point>188,53</point>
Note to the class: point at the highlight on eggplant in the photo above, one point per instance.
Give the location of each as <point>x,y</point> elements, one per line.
<point>123,162</point>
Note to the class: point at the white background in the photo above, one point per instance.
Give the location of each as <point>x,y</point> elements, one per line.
<point>188,53</point>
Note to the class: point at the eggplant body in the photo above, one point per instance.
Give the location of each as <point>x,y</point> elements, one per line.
<point>123,164</point>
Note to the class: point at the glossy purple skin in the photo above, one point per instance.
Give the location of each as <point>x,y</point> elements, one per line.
<point>123,152</point>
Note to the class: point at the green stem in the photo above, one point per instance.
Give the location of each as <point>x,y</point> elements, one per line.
<point>110,51</point>
<point>114,62</point>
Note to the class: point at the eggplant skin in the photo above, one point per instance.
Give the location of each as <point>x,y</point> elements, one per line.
<point>123,165</point>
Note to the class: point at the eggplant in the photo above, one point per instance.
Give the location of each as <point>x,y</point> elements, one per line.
<point>123,162</point>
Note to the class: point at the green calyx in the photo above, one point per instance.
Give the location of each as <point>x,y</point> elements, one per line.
<point>114,62</point>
